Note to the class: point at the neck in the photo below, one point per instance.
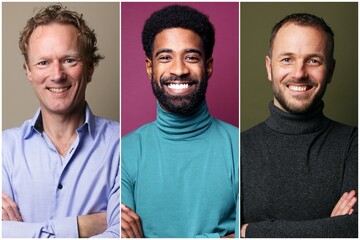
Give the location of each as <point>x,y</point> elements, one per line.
<point>178,126</point>
<point>290,123</point>
<point>61,128</point>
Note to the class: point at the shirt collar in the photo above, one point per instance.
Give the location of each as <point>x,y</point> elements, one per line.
<point>36,124</point>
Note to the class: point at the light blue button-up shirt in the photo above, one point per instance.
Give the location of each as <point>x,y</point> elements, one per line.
<point>51,191</point>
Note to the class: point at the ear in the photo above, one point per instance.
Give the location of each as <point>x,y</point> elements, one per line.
<point>209,67</point>
<point>148,63</point>
<point>268,67</point>
<point>28,72</point>
<point>331,70</point>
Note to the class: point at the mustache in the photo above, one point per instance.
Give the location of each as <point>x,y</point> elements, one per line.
<point>167,80</point>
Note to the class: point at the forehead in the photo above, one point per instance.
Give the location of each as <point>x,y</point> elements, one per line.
<point>296,37</point>
<point>53,39</point>
<point>177,38</point>
<point>54,31</point>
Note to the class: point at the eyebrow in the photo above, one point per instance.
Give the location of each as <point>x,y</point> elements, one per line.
<point>163,50</point>
<point>309,55</point>
<point>187,50</point>
<point>65,55</point>
<point>193,50</point>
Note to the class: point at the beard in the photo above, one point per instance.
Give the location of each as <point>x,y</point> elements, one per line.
<point>180,104</point>
<point>291,107</point>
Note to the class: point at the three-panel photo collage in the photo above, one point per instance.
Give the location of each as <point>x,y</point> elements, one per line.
<point>231,119</point>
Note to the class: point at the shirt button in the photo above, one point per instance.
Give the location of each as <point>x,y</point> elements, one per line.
<point>60,186</point>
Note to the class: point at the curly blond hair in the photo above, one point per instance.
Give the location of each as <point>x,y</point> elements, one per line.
<point>59,14</point>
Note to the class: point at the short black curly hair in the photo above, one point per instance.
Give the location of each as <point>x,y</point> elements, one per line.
<point>178,16</point>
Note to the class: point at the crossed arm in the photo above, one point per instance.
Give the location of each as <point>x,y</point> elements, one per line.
<point>345,206</point>
<point>88,225</point>
<point>131,224</point>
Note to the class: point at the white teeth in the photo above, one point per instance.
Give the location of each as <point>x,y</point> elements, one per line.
<point>298,88</point>
<point>58,90</point>
<point>178,86</point>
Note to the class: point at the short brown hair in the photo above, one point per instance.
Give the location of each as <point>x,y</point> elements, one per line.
<point>308,20</point>
<point>58,14</point>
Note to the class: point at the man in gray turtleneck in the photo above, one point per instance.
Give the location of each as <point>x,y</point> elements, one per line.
<point>299,168</point>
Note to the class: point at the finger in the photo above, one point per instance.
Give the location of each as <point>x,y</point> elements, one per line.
<point>11,205</point>
<point>129,224</point>
<point>124,234</point>
<point>133,215</point>
<point>351,204</point>
<point>6,206</point>
<point>348,203</point>
<point>137,219</point>
<point>5,216</point>
<point>125,208</point>
<point>343,197</point>
<point>351,211</point>
<point>338,204</point>
<point>126,226</point>
<point>11,208</point>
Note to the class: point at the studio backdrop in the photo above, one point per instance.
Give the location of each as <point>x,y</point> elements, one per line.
<point>138,104</point>
<point>19,102</point>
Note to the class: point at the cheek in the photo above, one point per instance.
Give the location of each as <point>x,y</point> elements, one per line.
<point>37,77</point>
<point>280,73</point>
<point>160,70</point>
<point>320,76</point>
<point>78,74</point>
<point>197,70</point>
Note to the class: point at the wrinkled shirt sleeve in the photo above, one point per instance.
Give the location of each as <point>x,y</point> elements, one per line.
<point>113,213</point>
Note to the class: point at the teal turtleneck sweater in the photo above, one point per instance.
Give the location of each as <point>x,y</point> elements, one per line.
<point>180,175</point>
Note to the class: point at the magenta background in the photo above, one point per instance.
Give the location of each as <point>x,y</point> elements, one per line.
<point>138,104</point>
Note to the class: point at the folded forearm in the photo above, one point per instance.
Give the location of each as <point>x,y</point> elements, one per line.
<point>59,228</point>
<point>332,227</point>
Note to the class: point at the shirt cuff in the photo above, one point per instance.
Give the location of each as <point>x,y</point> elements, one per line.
<point>66,227</point>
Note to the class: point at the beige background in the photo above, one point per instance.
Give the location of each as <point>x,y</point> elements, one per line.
<point>19,102</point>
<point>257,20</point>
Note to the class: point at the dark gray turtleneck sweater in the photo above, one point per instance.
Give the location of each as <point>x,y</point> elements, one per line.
<point>294,169</point>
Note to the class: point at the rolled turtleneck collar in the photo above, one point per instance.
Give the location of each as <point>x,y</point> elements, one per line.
<point>179,127</point>
<point>290,123</point>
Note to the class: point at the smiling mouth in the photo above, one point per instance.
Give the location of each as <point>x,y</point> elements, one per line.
<point>58,90</point>
<point>178,86</point>
<point>300,88</point>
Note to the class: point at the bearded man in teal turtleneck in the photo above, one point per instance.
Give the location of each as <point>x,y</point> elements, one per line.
<point>180,173</point>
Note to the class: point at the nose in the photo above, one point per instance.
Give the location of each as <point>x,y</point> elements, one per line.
<point>179,68</point>
<point>299,71</point>
<point>57,71</point>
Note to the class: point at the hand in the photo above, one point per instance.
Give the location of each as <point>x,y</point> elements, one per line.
<point>243,230</point>
<point>92,224</point>
<point>345,204</point>
<point>130,223</point>
<point>232,235</point>
<point>10,210</point>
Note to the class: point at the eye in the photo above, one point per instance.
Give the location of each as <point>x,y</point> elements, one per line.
<point>192,58</point>
<point>164,58</point>
<point>70,61</point>
<point>286,60</point>
<point>42,64</point>
<point>314,62</point>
